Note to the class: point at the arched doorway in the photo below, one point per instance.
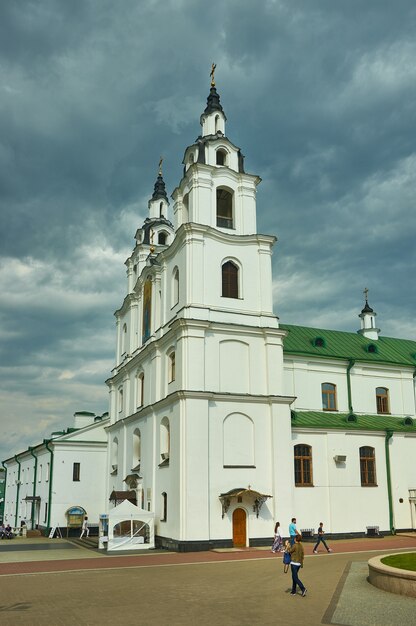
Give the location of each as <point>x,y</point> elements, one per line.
<point>239,528</point>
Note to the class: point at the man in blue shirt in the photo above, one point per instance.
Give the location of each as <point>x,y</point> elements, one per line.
<point>293,531</point>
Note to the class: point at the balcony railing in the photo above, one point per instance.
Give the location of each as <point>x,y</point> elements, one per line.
<point>224,222</point>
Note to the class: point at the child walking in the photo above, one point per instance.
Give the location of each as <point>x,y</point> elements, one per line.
<point>286,557</point>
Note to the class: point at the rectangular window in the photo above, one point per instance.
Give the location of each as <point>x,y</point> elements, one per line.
<point>368,467</point>
<point>46,513</point>
<point>303,466</point>
<point>47,473</point>
<point>76,472</point>
<point>303,472</point>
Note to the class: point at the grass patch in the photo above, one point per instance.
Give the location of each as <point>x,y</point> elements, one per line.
<point>402,561</point>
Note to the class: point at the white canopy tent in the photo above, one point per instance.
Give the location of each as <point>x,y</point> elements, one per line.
<point>130,528</point>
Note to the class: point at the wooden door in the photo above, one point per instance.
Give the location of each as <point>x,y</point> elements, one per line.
<point>239,528</point>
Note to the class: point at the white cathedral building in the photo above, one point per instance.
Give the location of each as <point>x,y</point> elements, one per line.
<point>223,420</point>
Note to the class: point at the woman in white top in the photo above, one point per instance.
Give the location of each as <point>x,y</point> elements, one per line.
<point>278,541</point>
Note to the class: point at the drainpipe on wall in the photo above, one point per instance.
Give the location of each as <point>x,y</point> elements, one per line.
<point>35,474</point>
<point>18,489</point>
<point>47,442</point>
<point>5,488</point>
<point>414,384</point>
<point>389,435</point>
<point>351,364</point>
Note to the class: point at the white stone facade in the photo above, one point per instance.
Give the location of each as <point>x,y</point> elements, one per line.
<point>64,471</point>
<point>201,400</point>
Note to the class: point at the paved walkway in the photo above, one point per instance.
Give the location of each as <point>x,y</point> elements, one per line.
<point>66,586</point>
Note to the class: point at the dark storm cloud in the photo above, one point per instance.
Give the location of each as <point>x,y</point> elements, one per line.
<point>319,95</point>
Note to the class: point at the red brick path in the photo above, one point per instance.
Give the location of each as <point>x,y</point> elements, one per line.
<point>149,559</point>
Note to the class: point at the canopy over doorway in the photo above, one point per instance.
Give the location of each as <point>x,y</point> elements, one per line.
<point>240,493</point>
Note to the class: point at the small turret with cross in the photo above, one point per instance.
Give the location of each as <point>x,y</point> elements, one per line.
<point>368,325</point>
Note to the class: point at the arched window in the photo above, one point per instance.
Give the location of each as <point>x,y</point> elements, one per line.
<point>140,389</point>
<point>221,157</point>
<point>185,212</point>
<point>114,456</point>
<point>229,280</point>
<point>368,466</point>
<point>137,448</point>
<point>161,239</point>
<point>147,310</point>
<point>217,123</point>
<point>329,397</point>
<point>172,367</point>
<point>161,209</point>
<point>224,208</point>
<point>164,517</point>
<point>120,400</point>
<point>164,439</point>
<point>382,399</point>
<point>175,287</point>
<point>303,465</point>
<point>124,339</point>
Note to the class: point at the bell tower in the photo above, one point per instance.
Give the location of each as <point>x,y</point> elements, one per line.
<point>199,374</point>
<point>215,189</point>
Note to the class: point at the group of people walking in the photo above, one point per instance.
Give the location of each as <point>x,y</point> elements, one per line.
<point>293,552</point>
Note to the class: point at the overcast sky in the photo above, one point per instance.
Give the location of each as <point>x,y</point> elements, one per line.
<point>320,96</point>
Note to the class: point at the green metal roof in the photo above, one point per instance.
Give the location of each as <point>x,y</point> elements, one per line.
<point>347,345</point>
<point>339,421</point>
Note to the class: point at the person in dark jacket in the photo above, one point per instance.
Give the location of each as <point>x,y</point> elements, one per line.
<point>297,553</point>
<point>321,539</point>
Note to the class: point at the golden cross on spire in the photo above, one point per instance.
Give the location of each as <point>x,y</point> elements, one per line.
<point>212,74</point>
<point>160,165</point>
<point>365,292</point>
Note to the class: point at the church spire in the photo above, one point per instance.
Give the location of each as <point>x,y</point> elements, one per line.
<point>160,188</point>
<point>158,203</point>
<point>156,231</point>
<point>213,118</point>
